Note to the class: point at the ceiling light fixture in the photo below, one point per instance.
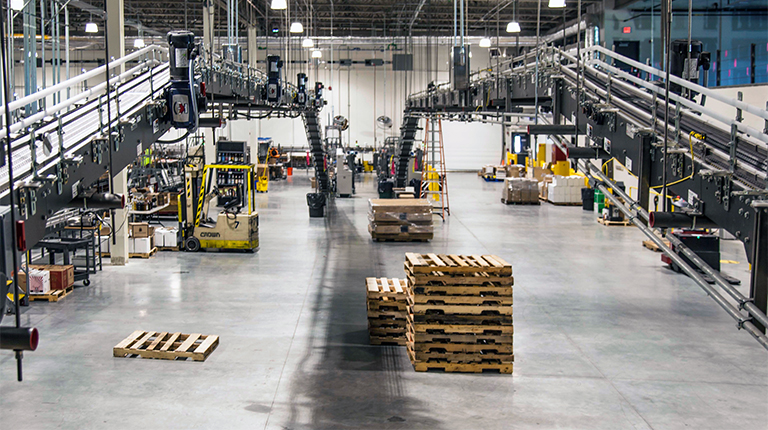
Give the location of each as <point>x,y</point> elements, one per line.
<point>138,43</point>
<point>307,43</point>
<point>91,27</point>
<point>317,54</point>
<point>485,42</point>
<point>555,4</point>
<point>278,5</point>
<point>514,26</point>
<point>17,5</point>
<point>296,27</point>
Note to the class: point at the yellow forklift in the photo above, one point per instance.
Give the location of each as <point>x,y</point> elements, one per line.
<point>237,225</point>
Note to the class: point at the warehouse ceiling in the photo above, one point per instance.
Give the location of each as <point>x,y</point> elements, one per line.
<point>388,18</point>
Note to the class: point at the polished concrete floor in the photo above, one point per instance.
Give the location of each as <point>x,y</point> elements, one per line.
<point>605,337</point>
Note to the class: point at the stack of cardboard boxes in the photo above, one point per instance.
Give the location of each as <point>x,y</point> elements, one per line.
<point>166,238</point>
<point>41,279</point>
<point>520,191</point>
<point>142,238</point>
<point>562,189</point>
<point>400,219</point>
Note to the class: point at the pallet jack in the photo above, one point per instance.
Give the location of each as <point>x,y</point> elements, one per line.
<point>231,229</point>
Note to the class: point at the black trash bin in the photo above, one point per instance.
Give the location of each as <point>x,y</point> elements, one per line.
<point>316,203</point>
<point>386,189</point>
<point>587,199</point>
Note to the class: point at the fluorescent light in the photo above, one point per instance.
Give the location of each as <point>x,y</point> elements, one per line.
<point>513,27</point>
<point>317,54</point>
<point>485,42</point>
<point>556,3</point>
<point>296,27</point>
<point>138,43</point>
<point>279,5</point>
<point>91,27</point>
<point>307,43</point>
<point>17,5</point>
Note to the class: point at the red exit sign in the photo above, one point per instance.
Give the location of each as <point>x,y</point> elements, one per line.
<point>626,30</point>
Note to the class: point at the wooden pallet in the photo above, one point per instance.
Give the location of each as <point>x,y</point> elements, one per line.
<point>387,331</point>
<point>461,338</point>
<point>512,202</point>
<point>387,340</point>
<point>464,348</point>
<point>456,264</point>
<point>387,322</point>
<point>458,309</point>
<point>168,248</point>
<point>402,237</point>
<point>454,357</point>
<point>386,288</point>
<point>561,203</point>
<point>475,280</point>
<point>470,298</point>
<point>52,295</point>
<point>166,346</point>
<point>653,247</point>
<point>483,320</point>
<point>379,314</point>
<point>449,367</point>
<point>428,327</point>
<point>152,252</point>
<point>624,223</point>
<point>387,305</point>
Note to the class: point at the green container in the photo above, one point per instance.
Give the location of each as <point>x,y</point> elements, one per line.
<point>599,202</point>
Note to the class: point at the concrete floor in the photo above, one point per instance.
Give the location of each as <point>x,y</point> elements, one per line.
<point>605,337</point>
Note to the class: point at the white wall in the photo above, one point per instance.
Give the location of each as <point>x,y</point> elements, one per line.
<point>362,94</point>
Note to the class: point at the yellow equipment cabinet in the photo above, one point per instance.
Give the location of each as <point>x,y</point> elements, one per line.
<point>231,229</point>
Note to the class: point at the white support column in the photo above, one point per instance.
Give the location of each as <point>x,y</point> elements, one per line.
<point>253,46</point>
<point>116,31</point>
<point>208,23</point>
<point>119,249</point>
<point>115,28</point>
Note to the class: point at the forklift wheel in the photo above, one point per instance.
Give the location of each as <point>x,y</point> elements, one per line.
<point>192,244</point>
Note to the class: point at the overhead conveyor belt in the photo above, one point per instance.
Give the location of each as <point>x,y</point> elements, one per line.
<point>63,149</point>
<point>713,159</point>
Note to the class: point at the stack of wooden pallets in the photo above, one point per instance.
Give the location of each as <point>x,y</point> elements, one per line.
<point>460,313</point>
<point>400,219</point>
<point>387,310</point>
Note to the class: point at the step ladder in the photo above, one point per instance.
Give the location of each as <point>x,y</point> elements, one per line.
<point>434,180</point>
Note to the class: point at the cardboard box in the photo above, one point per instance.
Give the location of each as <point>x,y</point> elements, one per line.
<point>515,170</point>
<point>538,173</point>
<point>39,282</point>
<point>62,277</point>
<point>139,229</point>
<point>142,245</point>
<point>170,238</point>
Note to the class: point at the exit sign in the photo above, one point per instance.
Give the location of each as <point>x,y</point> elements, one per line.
<point>626,30</point>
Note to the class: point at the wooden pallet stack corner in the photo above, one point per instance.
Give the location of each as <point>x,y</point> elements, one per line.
<point>387,310</point>
<point>460,313</point>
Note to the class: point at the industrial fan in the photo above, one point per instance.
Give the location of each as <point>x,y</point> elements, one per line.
<point>384,122</point>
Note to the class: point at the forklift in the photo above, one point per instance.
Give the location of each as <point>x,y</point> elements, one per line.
<point>232,229</point>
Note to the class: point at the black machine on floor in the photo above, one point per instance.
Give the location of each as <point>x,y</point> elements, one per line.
<point>706,246</point>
